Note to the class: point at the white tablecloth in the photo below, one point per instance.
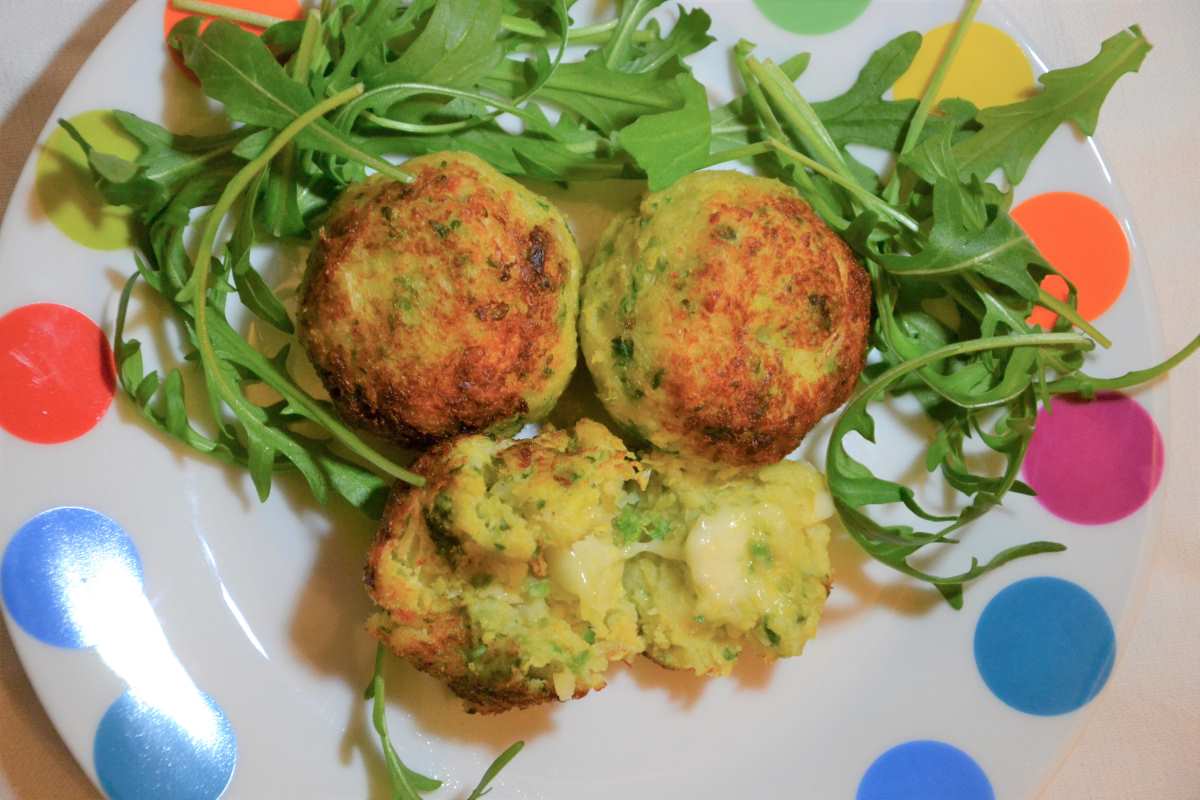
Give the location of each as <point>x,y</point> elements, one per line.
<point>1142,739</point>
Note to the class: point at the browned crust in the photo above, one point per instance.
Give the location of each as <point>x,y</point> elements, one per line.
<point>436,643</point>
<point>738,405</point>
<point>486,339</point>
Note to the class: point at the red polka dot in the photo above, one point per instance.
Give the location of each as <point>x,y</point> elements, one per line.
<point>57,375</point>
<point>1082,240</point>
<point>1094,462</point>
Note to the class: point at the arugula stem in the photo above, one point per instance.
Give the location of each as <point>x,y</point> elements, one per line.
<point>873,389</point>
<point>395,92</point>
<point>524,26</point>
<point>1066,312</point>
<point>939,76</point>
<point>599,33</point>
<point>865,196</point>
<point>768,145</point>
<point>396,769</point>
<point>775,130</point>
<point>219,11</point>
<point>799,115</point>
<point>200,273</point>
<point>736,154</point>
<point>491,772</point>
<point>512,107</point>
<point>298,69</point>
<point>302,61</point>
<point>1085,384</point>
<point>931,91</point>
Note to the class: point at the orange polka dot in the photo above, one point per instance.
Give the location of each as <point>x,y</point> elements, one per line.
<point>1082,240</point>
<point>282,9</point>
<point>990,68</point>
<point>56,373</point>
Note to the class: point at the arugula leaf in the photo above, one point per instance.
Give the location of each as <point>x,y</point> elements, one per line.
<point>736,123</point>
<point>406,783</point>
<point>1010,136</point>
<point>365,32</point>
<point>999,251</point>
<point>853,485</point>
<point>616,51</point>
<point>489,775</point>
<point>237,69</point>
<point>251,288</point>
<point>608,100</point>
<point>669,145</point>
<point>688,35</point>
<point>860,115</point>
<point>458,46</point>
<point>562,151</point>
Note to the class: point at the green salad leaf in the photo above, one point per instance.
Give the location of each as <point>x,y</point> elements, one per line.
<point>1008,137</point>
<point>236,69</point>
<point>672,144</point>
<point>458,45</point>
<point>860,115</point>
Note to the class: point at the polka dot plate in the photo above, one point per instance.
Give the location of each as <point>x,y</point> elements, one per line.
<point>189,642</point>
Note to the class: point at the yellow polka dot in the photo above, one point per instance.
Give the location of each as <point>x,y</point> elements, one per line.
<point>989,70</point>
<point>65,188</point>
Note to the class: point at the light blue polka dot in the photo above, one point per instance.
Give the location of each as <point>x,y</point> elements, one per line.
<point>1045,646</point>
<point>55,565</point>
<point>924,770</point>
<point>143,751</point>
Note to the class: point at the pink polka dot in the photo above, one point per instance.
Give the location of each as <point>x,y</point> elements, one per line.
<point>1094,462</point>
<point>56,373</point>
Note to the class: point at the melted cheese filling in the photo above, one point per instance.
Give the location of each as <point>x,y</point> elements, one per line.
<point>716,554</point>
<point>591,570</point>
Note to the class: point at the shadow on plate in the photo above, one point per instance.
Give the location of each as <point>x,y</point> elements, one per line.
<point>901,596</point>
<point>327,632</point>
<point>685,688</point>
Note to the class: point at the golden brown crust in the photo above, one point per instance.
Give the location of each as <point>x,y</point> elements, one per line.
<point>434,633</point>
<point>435,308</point>
<point>729,404</point>
<point>741,319</point>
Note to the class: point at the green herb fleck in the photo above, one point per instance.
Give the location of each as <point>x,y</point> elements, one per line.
<point>760,550</point>
<point>622,351</point>
<point>635,525</point>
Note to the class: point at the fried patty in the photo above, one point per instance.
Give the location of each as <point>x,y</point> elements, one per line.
<point>442,306</point>
<point>523,569</point>
<point>499,577</point>
<point>723,319</point>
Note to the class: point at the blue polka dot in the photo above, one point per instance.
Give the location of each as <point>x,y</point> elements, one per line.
<point>184,753</point>
<point>1045,646</point>
<point>57,564</point>
<point>924,770</point>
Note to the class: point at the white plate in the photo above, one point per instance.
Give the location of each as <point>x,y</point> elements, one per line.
<point>261,606</point>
